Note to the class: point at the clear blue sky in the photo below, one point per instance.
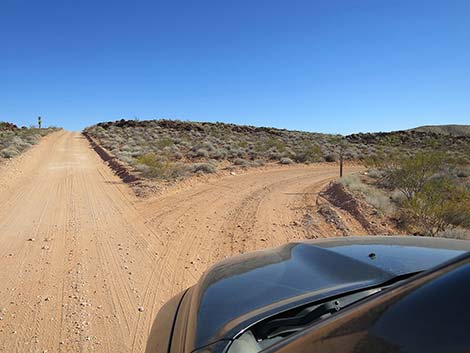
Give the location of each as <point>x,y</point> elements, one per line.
<point>328,66</point>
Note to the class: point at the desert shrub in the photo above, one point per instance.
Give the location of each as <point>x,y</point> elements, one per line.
<point>258,163</point>
<point>308,153</point>
<point>397,196</point>
<point>274,155</point>
<point>218,154</point>
<point>371,195</point>
<point>126,158</point>
<point>158,168</point>
<point>241,162</point>
<point>32,139</point>
<point>410,174</point>
<point>331,157</point>
<point>208,146</point>
<point>439,205</point>
<point>455,233</point>
<point>206,168</point>
<point>381,159</point>
<point>164,142</point>
<point>269,143</point>
<point>242,144</point>
<point>286,161</point>
<point>376,173</point>
<point>201,152</point>
<point>9,152</point>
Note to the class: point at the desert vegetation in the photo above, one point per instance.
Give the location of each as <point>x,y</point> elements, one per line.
<point>428,193</point>
<point>167,149</point>
<point>172,149</point>
<point>14,140</point>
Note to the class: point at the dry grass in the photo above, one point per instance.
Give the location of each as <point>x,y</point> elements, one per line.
<point>372,195</point>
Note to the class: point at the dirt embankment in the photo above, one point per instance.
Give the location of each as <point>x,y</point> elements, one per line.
<point>86,265</point>
<point>346,211</point>
<point>118,167</point>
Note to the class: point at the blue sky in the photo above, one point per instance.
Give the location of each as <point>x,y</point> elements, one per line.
<point>327,66</point>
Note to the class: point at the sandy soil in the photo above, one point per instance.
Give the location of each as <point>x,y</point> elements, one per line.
<point>85,265</point>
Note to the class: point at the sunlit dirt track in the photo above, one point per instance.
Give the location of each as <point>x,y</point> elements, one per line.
<point>85,265</point>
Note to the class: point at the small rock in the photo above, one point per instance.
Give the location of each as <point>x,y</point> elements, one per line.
<point>31,239</point>
<point>141,309</point>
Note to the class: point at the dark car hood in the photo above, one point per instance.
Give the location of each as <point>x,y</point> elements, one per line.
<point>239,291</point>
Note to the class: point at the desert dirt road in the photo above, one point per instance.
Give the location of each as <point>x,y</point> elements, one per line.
<point>85,265</point>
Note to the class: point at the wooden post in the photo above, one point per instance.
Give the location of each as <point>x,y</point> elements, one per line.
<point>341,164</point>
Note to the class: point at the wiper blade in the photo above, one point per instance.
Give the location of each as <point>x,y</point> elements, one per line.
<point>280,326</point>
<point>283,326</point>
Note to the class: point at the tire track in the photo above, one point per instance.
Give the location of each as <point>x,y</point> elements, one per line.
<point>112,260</point>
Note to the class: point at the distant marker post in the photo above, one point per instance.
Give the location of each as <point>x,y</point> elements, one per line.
<point>341,164</point>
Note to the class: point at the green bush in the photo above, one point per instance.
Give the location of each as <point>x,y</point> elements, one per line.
<point>440,204</point>
<point>410,174</point>
<point>270,143</point>
<point>157,168</point>
<point>308,153</point>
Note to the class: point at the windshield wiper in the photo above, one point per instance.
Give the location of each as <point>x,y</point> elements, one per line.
<point>287,325</point>
<point>283,326</point>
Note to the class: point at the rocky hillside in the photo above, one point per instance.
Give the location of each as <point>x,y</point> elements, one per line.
<point>169,149</point>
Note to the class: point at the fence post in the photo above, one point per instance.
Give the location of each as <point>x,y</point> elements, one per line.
<point>341,164</point>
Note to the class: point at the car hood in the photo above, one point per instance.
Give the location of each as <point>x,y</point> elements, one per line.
<point>242,290</point>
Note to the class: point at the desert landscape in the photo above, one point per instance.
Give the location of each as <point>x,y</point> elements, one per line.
<point>92,244</point>
<point>199,156</point>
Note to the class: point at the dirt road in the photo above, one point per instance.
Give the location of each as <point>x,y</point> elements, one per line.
<point>85,265</point>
